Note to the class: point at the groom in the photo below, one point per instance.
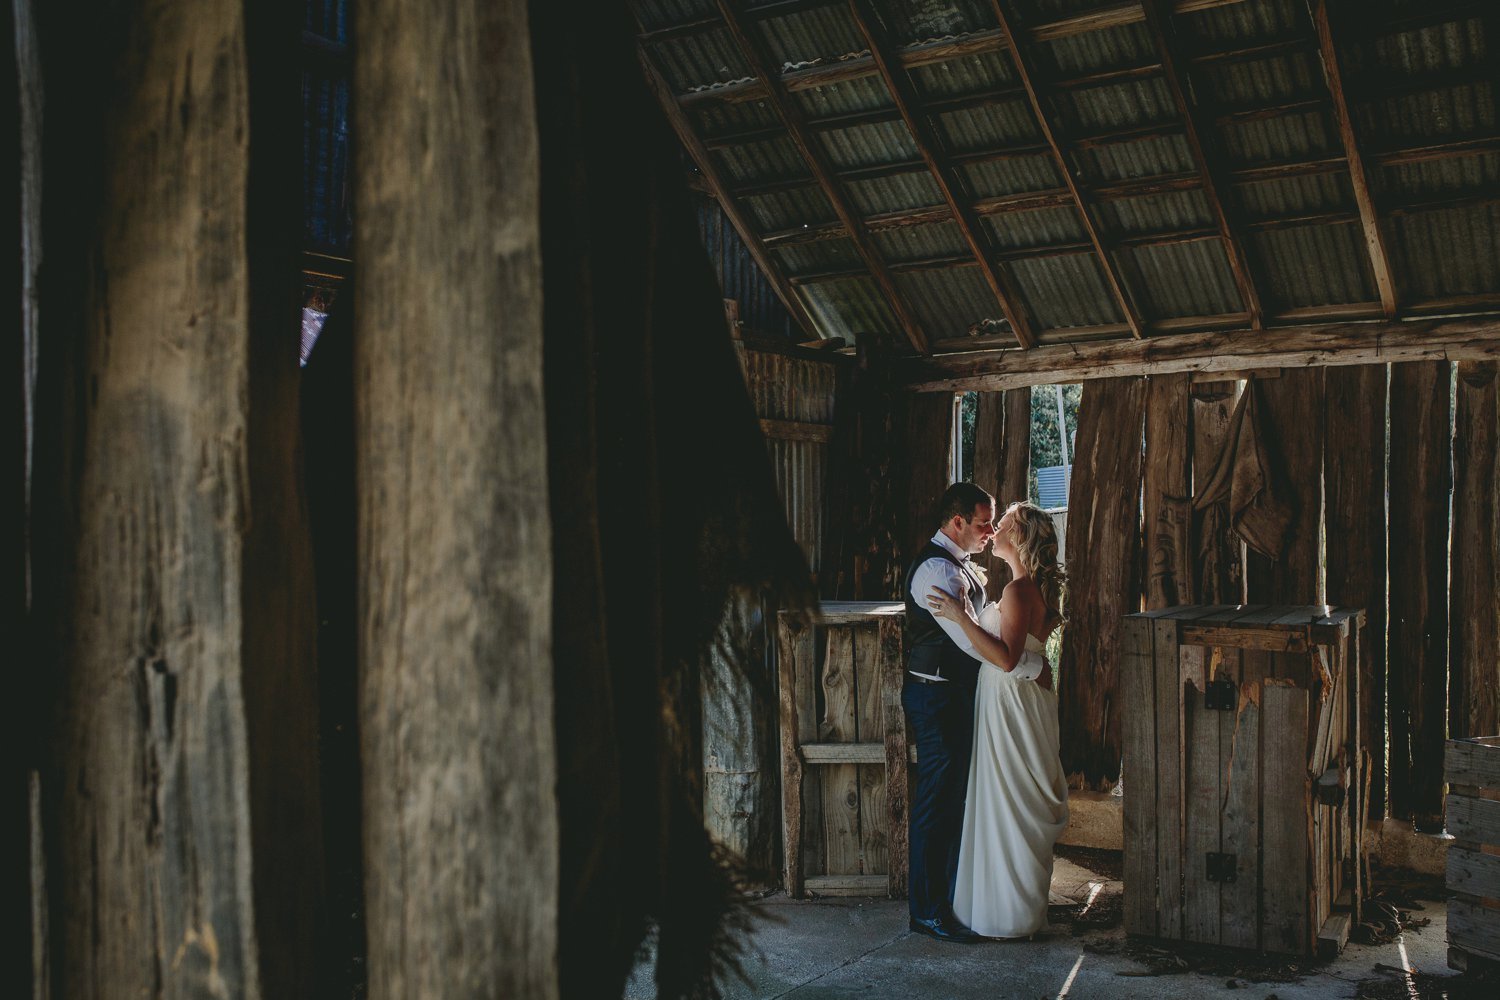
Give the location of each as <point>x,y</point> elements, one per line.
<point>942,669</point>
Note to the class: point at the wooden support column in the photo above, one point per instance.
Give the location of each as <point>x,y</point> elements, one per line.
<point>1019,46</point>
<point>181,785</point>
<point>1002,463</point>
<point>763,65</point>
<point>1354,479</point>
<point>1474,643</point>
<point>1167,494</point>
<point>948,182</point>
<point>461,826</point>
<point>928,440</point>
<point>1291,425</point>
<point>1104,522</point>
<point>1380,265</point>
<point>1417,693</point>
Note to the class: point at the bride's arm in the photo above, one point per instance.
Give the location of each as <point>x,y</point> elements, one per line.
<point>990,647</point>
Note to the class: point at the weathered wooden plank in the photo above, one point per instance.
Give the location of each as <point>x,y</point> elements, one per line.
<point>869,726</point>
<point>1239,756</point>
<point>892,675</point>
<point>1218,567</point>
<point>1417,695</point>
<point>175,611</point>
<point>1170,800</point>
<point>794,655</point>
<point>1291,428</point>
<point>1473,761</point>
<point>1284,782</point>
<point>1139,774</point>
<point>928,439</point>
<point>1334,936</point>
<point>796,430</point>
<point>1354,537</point>
<point>1474,928</point>
<point>1167,492</point>
<point>1474,819</point>
<point>1474,639</point>
<point>857,612</point>
<point>1268,639</point>
<point>846,885</point>
<point>1473,872</point>
<point>1105,512</point>
<point>843,753</point>
<point>1002,461</point>
<point>840,781</point>
<point>1291,347</point>
<point>1203,802</point>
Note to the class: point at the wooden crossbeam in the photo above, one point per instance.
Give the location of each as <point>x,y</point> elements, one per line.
<point>1380,265</point>
<point>761,64</point>
<point>730,205</point>
<point>930,148</point>
<point>1210,166</point>
<point>1019,45</point>
<point>1471,339</point>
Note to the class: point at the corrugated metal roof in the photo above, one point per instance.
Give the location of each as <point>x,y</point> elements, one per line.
<point>1157,212</point>
<point>869,145</point>
<point>1429,115</point>
<point>1181,279</point>
<point>1286,137</point>
<point>1150,157</point>
<point>821,255</point>
<point>1439,177</point>
<point>1110,48</point>
<point>1066,291</point>
<point>917,20</point>
<point>940,239</point>
<point>1447,252</point>
<point>969,75</point>
<point>990,126</point>
<point>760,310</point>
<point>803,206</point>
<point>947,303</point>
<point>894,193</point>
<point>1259,81</point>
<point>664,13</point>
<point>1134,102</point>
<point>1038,227</point>
<point>693,62</point>
<point>810,37</point>
<point>725,118</point>
<point>1245,23</point>
<point>1284,196</point>
<point>849,307</point>
<point>1013,175</point>
<point>867,93</point>
<point>767,159</point>
<point>1313,265</point>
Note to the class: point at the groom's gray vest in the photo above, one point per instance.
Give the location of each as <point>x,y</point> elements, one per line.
<point>928,648</point>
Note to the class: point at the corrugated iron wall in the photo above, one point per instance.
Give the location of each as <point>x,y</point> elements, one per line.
<point>761,312</point>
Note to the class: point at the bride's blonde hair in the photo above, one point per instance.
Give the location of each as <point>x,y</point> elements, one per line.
<point>1036,544</point>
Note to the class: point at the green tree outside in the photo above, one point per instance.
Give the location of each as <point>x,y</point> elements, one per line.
<point>1046,449</point>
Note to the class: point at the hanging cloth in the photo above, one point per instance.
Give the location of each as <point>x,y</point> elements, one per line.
<point>1245,477</point>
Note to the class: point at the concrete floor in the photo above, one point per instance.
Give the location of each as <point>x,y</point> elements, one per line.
<point>861,948</point>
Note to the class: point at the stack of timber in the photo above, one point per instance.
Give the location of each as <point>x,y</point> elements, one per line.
<point>1242,775</point>
<point>1473,811</point>
<point>844,751</point>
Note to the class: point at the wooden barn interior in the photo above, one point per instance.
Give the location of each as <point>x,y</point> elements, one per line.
<point>464,456</point>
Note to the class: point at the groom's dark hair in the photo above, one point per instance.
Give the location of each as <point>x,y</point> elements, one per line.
<point>960,499</point>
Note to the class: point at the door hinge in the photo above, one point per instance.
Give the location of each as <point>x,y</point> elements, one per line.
<point>1222,867</point>
<point>1220,696</point>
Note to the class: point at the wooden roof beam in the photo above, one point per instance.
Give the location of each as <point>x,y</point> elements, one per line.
<point>731,207</point>
<point>1007,296</point>
<point>1385,283</point>
<point>761,65</point>
<point>1379,342</point>
<point>1210,168</point>
<point>1018,43</point>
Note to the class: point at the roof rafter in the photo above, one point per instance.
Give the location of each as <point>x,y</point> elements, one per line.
<point>1209,167</point>
<point>943,174</point>
<point>1018,44</point>
<point>769,267</point>
<point>1380,264</point>
<point>760,63</point>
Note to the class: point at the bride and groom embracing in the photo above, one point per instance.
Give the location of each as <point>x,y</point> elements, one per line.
<point>991,798</point>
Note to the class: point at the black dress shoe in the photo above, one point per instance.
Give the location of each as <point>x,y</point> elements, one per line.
<point>944,929</point>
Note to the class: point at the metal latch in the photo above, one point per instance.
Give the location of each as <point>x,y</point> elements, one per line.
<point>1220,696</point>
<point>1222,867</point>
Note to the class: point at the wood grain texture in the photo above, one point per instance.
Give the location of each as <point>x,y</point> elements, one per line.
<point>1291,427</point>
<point>1202,804</point>
<point>1167,493</point>
<point>794,649</point>
<point>1002,463</point>
<point>1473,761</point>
<point>840,781</point>
<point>1138,774</point>
<point>1240,830</point>
<point>1474,636</point>
<point>1218,562</point>
<point>1171,796</point>
<point>1354,483</point>
<point>893,719</point>
<point>180,792</point>
<point>461,829</point>
<point>1286,842</point>
<point>1417,694</point>
<point>928,435</point>
<point>1103,530</point>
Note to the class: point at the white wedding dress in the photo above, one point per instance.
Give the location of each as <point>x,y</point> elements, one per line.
<point>1017,802</point>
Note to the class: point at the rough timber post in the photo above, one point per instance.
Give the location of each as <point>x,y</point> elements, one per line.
<point>180,793</point>
<point>455,563</point>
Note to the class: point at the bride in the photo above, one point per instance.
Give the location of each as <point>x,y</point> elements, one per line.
<point>1017,802</point>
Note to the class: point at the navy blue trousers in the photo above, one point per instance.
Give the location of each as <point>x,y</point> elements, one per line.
<point>940,720</point>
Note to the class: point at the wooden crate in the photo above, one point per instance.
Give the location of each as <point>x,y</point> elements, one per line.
<point>1242,775</point>
<point>1472,810</point>
<point>844,752</point>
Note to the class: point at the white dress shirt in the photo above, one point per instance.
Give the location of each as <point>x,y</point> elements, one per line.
<point>939,572</point>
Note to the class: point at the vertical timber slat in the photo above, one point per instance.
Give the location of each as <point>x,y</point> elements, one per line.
<point>1138,762</point>
<point>1291,414</point>
<point>1474,646</point>
<point>1170,761</point>
<point>892,676</point>
<point>840,781</point>
<point>1166,494</point>
<point>455,560</point>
